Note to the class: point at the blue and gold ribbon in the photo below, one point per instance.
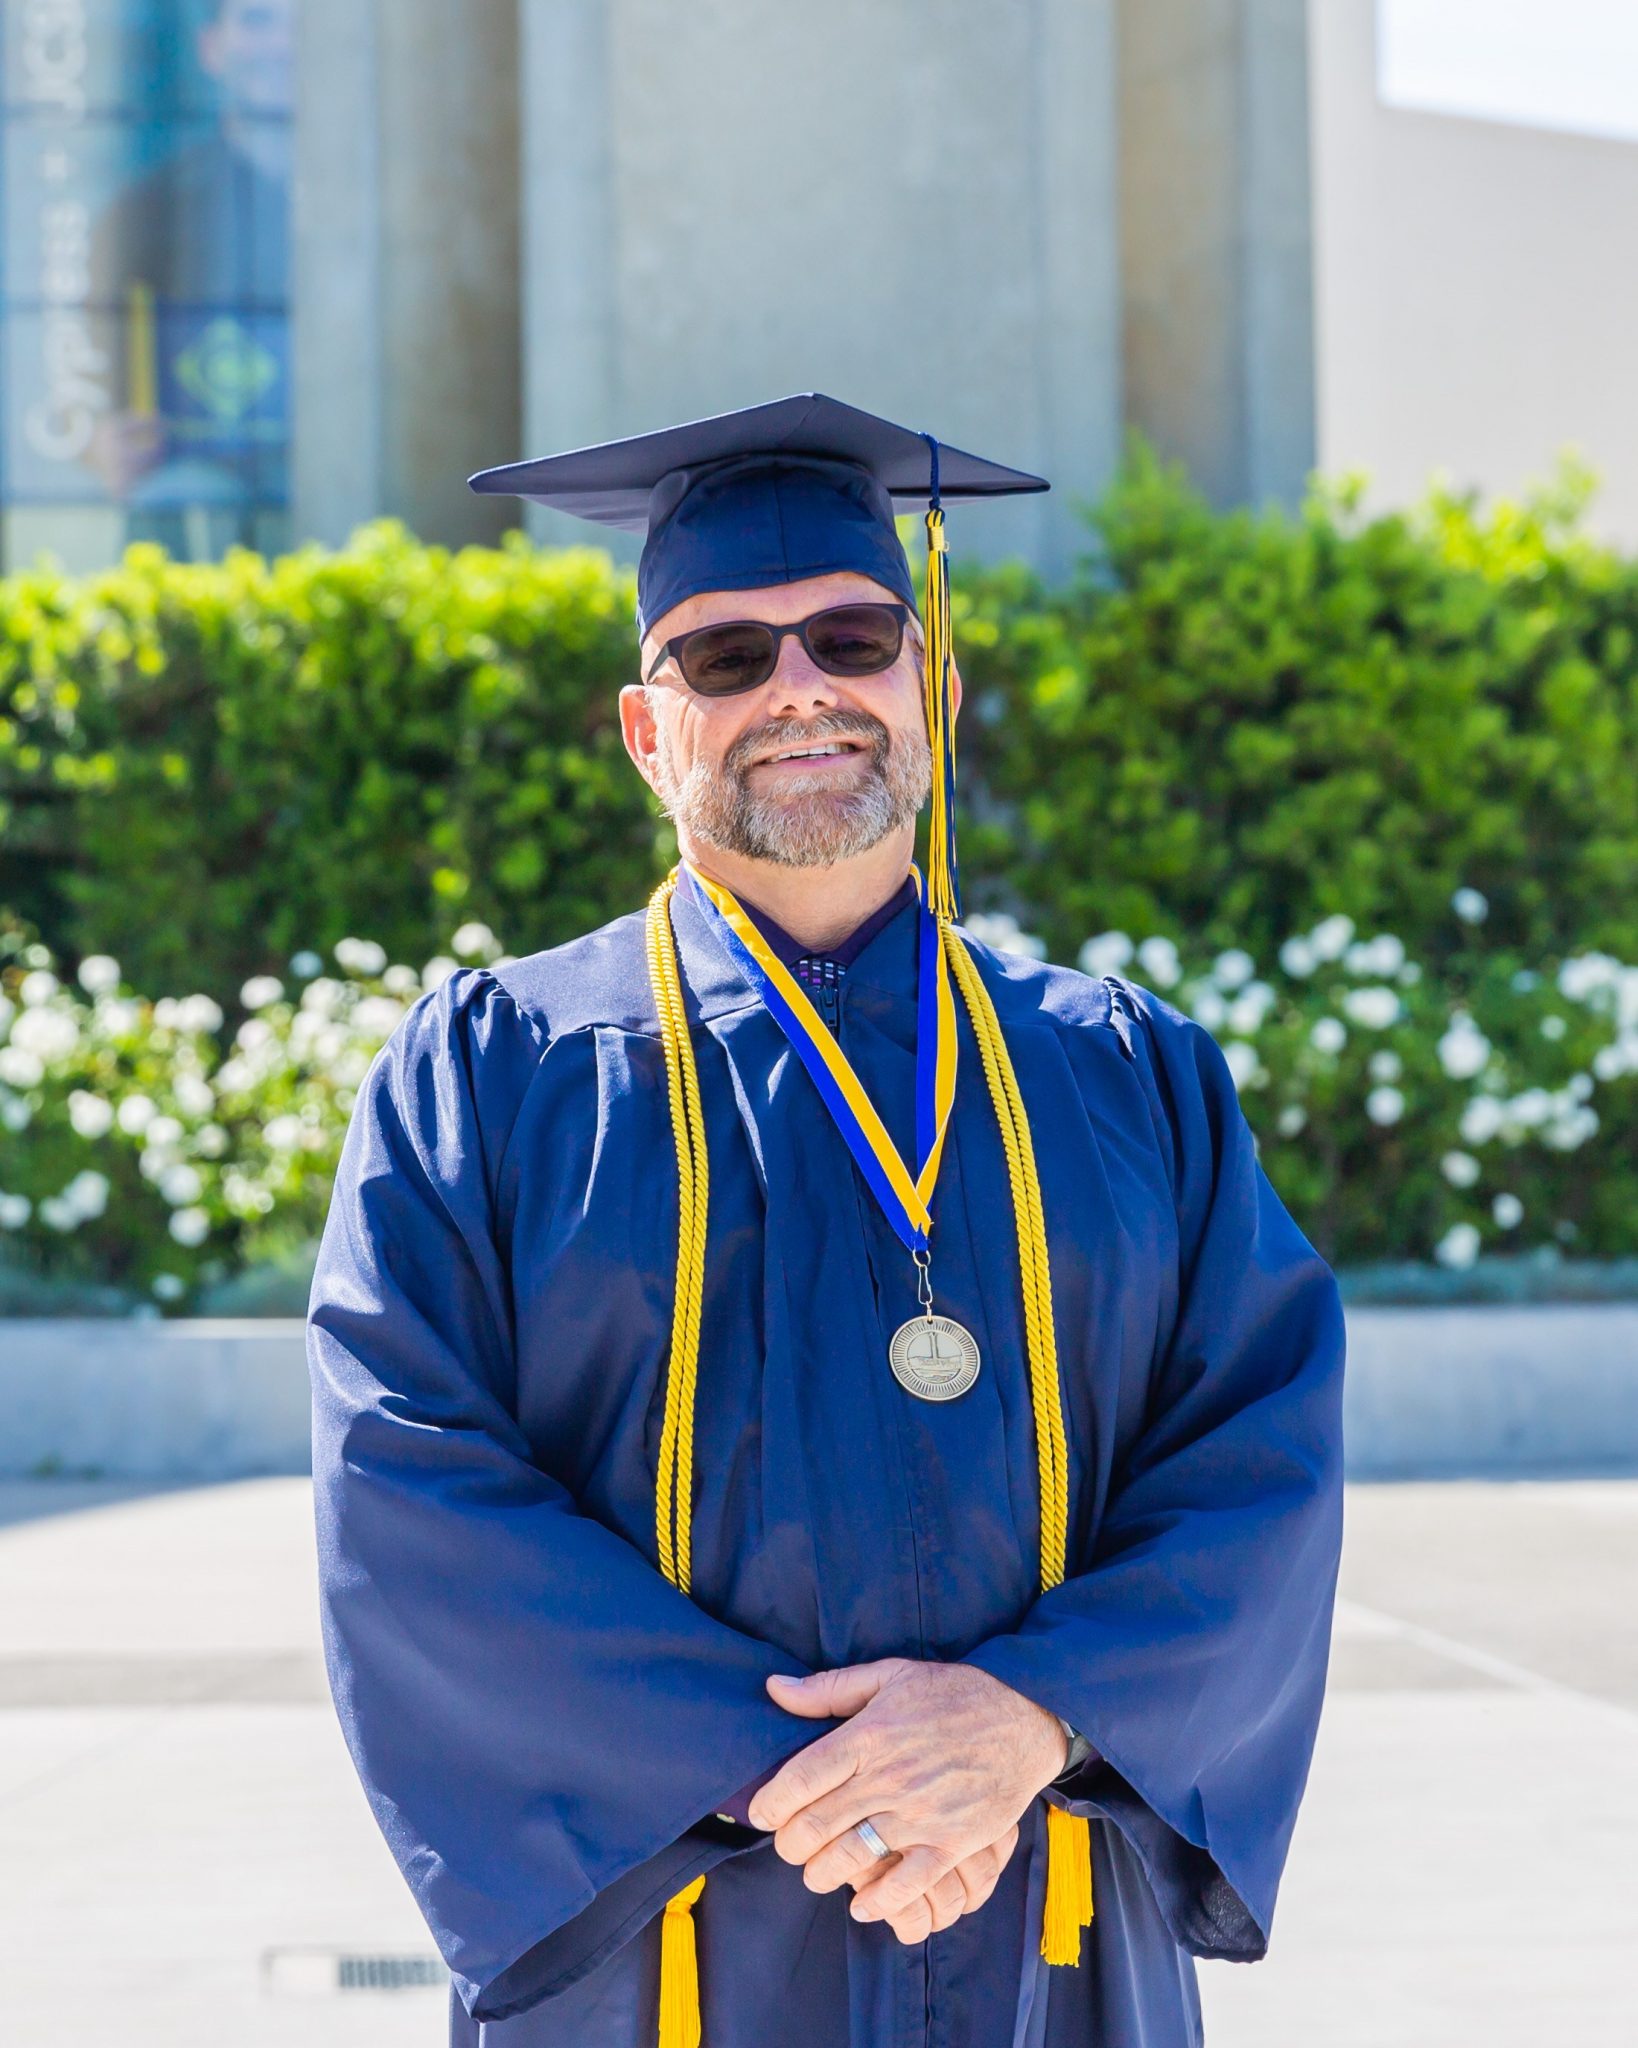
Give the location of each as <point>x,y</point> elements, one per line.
<point>906,1197</point>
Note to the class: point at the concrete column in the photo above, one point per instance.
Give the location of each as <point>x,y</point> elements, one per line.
<point>406,286</point>
<point>571,385</point>
<point>1216,239</point>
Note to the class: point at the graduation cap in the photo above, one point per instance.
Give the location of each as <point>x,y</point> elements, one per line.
<point>802,486</point>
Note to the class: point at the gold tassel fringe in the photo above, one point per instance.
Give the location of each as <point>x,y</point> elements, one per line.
<point>680,1971</point>
<point>1068,1886</point>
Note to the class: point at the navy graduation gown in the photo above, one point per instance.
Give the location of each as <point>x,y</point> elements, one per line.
<point>544,1726</point>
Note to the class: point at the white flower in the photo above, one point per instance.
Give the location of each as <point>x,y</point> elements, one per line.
<point>1206,1006</point>
<point>1482,1120</point>
<point>1470,905</point>
<point>38,987</point>
<point>1108,953</point>
<point>90,1115</point>
<point>169,1286</point>
<point>1461,1169</point>
<point>260,990</point>
<point>1553,1027</point>
<point>1385,1066</point>
<point>1579,1087</point>
<point>1610,1062</point>
<point>199,1013</point>
<point>1375,1007</point>
<point>1571,1128</point>
<point>283,1133</point>
<point>189,1226</point>
<point>1329,938</point>
<point>1382,955</point>
<point>51,1034</point>
<point>402,981</point>
<point>210,1141</point>
<point>88,1193</point>
<point>1588,974</point>
<point>1459,1246</point>
<point>1158,959</point>
<point>1241,1060</point>
<point>1291,1119</point>
<point>163,1130</point>
<point>15,1210</point>
<point>377,1018</point>
<point>305,965</point>
<point>58,1213</point>
<point>474,941</point>
<point>1464,1049</point>
<point>254,1033</point>
<point>1249,1008</point>
<point>1329,1035</point>
<point>1508,1211</point>
<point>194,1094</point>
<point>20,1068</point>
<point>99,974</point>
<point>117,1017</point>
<point>181,1184</point>
<point>15,1112</point>
<point>1385,1105</point>
<point>1298,958</point>
<point>1233,969</point>
<point>135,1114</point>
<point>360,956</point>
<point>437,971</point>
<point>320,998</point>
<point>995,928</point>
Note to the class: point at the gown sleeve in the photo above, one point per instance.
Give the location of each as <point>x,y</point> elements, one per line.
<point>1192,1651</point>
<point>540,1720</point>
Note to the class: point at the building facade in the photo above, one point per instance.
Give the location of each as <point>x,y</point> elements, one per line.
<point>275,267</point>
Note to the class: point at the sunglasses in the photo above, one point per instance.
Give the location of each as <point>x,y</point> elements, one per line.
<point>741,654</point>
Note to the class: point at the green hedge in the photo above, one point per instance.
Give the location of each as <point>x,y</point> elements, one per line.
<point>1239,723</point>
<point>205,770</point>
<point>1228,727</point>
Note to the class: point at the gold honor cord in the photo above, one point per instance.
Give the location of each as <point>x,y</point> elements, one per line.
<point>1068,1906</point>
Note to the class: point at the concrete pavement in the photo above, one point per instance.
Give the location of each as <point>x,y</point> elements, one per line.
<point>185,1857</point>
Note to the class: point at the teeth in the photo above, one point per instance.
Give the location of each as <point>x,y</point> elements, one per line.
<point>802,753</point>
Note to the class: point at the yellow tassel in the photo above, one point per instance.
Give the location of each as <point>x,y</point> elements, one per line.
<point>1068,1886</point>
<point>680,1971</point>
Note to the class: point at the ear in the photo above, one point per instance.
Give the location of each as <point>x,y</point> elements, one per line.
<point>639,731</point>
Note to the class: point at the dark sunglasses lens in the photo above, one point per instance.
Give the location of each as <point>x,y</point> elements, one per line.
<point>718,660</point>
<point>856,639</point>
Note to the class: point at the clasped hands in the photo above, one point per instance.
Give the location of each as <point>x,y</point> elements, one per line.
<point>942,1759</point>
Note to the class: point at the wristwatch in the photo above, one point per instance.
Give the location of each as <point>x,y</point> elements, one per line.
<point>1079,1749</point>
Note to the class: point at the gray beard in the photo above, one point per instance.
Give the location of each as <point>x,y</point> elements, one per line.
<point>823,821</point>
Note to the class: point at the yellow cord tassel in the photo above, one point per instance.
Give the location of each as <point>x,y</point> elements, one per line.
<point>943,875</point>
<point>679,1961</point>
<point>1069,1839</point>
<point>1068,1886</point>
<point>679,1971</point>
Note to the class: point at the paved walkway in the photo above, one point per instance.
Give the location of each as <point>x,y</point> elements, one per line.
<point>186,1860</point>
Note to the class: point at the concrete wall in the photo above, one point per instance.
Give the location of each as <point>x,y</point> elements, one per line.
<point>1476,292</point>
<point>406,264</point>
<point>1218,339</point>
<point>910,209</point>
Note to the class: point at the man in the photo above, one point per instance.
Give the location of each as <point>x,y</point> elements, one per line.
<point>807,1403</point>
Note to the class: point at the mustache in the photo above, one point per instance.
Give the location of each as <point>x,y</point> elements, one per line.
<point>791,732</point>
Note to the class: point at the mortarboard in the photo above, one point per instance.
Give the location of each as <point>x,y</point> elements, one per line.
<point>802,486</point>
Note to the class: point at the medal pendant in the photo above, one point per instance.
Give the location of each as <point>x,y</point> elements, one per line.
<point>933,1357</point>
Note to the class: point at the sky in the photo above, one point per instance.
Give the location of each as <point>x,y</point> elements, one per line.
<point>1568,64</point>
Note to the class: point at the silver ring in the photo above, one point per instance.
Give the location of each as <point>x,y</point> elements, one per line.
<point>872,1841</point>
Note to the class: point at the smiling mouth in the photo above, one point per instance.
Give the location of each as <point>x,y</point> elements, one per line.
<point>815,750</point>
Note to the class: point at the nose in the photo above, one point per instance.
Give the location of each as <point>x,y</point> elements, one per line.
<point>798,686</point>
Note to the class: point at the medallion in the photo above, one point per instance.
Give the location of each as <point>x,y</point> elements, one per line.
<point>933,1357</point>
